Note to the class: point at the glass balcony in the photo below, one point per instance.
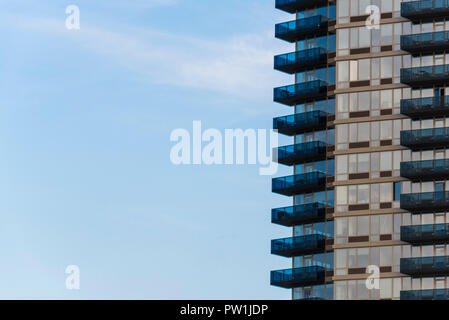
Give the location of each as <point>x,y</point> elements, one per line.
<point>425,10</point>
<point>302,152</point>
<point>291,6</point>
<point>425,107</point>
<point>432,294</point>
<point>426,266</point>
<point>295,30</point>
<point>293,278</point>
<point>425,202</point>
<point>300,214</point>
<point>425,138</point>
<point>425,76</point>
<point>291,247</point>
<point>301,60</point>
<point>300,92</point>
<point>426,234</point>
<point>300,183</point>
<point>425,170</point>
<point>300,122</point>
<point>425,42</point>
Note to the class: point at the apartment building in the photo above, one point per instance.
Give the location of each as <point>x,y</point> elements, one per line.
<point>370,158</point>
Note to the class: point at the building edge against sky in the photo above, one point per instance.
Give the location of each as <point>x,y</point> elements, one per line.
<point>370,153</point>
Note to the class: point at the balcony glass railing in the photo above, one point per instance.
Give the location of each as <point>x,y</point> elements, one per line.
<point>291,278</point>
<point>425,138</point>
<point>425,170</point>
<point>425,42</point>
<point>299,214</point>
<point>307,182</point>
<point>290,247</point>
<point>431,294</point>
<point>299,29</point>
<point>426,234</point>
<point>300,122</point>
<point>301,60</point>
<point>425,9</point>
<point>425,202</point>
<point>300,92</point>
<point>425,107</point>
<point>302,152</point>
<point>425,76</point>
<point>425,266</point>
<point>291,6</point>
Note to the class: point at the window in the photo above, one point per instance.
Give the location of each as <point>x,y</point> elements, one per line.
<point>371,101</point>
<point>386,67</point>
<point>386,190</point>
<point>386,162</point>
<point>371,132</point>
<point>372,194</point>
<point>373,70</point>
<point>397,191</point>
<point>369,39</point>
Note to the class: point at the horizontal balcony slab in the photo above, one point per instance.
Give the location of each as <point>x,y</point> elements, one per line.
<point>301,152</point>
<point>296,246</point>
<point>298,277</point>
<point>301,122</point>
<point>425,10</point>
<point>296,30</point>
<point>425,139</point>
<point>291,6</point>
<point>425,43</point>
<point>299,183</point>
<point>426,170</point>
<point>298,61</point>
<point>425,234</point>
<point>431,294</point>
<point>425,76</point>
<point>425,202</point>
<point>425,266</point>
<point>299,214</point>
<point>301,92</point>
<point>422,108</point>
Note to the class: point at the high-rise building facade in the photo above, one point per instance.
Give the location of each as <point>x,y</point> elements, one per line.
<point>370,156</point>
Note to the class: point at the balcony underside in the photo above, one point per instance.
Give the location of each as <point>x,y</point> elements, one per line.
<point>426,202</point>
<point>291,6</point>
<point>296,30</point>
<point>302,152</point>
<point>425,76</point>
<point>298,277</point>
<point>425,139</point>
<point>295,62</point>
<point>425,267</point>
<point>296,246</point>
<point>300,93</point>
<point>300,123</point>
<point>422,108</point>
<point>300,214</point>
<point>300,183</point>
<point>425,10</point>
<point>425,43</point>
<point>428,170</point>
<point>425,234</point>
<point>432,294</point>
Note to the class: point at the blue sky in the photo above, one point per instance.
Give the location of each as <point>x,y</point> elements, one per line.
<point>85,122</point>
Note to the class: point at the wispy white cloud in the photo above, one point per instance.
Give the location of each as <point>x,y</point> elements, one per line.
<point>239,65</point>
